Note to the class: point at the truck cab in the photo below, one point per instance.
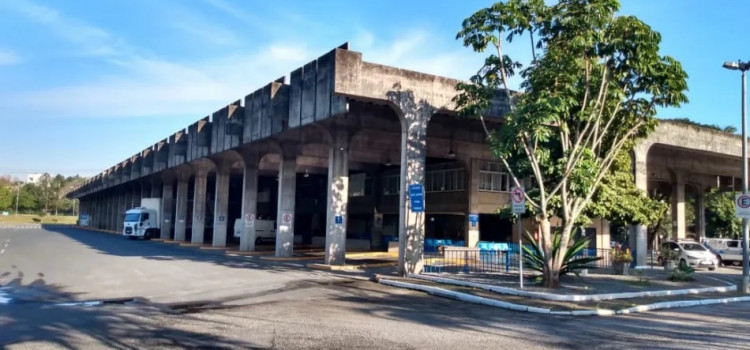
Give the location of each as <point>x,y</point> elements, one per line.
<point>141,223</point>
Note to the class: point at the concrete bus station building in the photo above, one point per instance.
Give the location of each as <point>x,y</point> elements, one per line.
<point>330,156</point>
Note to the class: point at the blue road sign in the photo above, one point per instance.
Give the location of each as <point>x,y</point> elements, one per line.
<point>416,196</point>
<point>474,219</point>
<point>338,219</point>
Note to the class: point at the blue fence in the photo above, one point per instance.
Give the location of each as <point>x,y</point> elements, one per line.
<point>490,257</point>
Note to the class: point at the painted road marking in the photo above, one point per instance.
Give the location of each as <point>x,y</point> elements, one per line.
<point>2,251</point>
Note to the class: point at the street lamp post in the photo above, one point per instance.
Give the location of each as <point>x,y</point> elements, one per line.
<point>742,67</point>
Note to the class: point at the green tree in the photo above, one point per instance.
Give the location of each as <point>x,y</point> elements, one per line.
<point>28,199</point>
<point>620,202</point>
<point>7,197</point>
<point>588,95</point>
<point>720,216</point>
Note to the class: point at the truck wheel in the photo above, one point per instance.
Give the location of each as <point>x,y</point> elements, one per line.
<point>736,263</point>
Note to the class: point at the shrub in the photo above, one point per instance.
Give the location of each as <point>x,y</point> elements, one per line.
<point>620,255</point>
<point>682,274</point>
<point>534,255</point>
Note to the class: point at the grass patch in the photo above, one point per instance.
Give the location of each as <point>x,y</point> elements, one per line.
<point>38,219</point>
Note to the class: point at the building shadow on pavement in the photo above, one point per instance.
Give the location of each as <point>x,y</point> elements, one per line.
<point>117,245</point>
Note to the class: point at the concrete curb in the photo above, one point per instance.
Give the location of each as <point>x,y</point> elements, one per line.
<point>325,267</point>
<point>462,296</point>
<point>680,303</point>
<point>518,307</point>
<point>573,297</point>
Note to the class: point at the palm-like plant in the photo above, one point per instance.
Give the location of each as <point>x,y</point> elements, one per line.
<point>534,255</point>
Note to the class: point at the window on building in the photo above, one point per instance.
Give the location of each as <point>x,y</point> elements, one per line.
<point>444,180</point>
<point>360,185</point>
<point>391,184</point>
<point>492,178</point>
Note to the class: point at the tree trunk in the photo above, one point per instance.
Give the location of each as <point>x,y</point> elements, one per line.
<point>551,274</point>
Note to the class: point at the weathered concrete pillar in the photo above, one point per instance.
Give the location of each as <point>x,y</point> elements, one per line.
<point>249,202</point>
<point>338,198</point>
<point>180,224</point>
<point>199,204</point>
<point>111,209</point>
<point>700,212</point>
<point>167,203</point>
<point>122,203</point>
<point>221,203</point>
<point>471,235</point>
<point>145,190</point>
<point>287,192</point>
<point>678,205</point>
<point>415,116</point>
<point>156,188</point>
<point>638,236</point>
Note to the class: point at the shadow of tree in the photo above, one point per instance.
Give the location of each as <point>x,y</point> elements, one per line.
<point>108,326</point>
<point>723,326</point>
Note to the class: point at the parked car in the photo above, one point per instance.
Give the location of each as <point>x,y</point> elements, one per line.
<point>690,253</point>
<point>728,251</point>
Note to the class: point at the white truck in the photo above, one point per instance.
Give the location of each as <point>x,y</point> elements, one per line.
<point>265,230</point>
<point>144,221</point>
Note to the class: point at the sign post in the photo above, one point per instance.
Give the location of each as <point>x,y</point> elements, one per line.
<point>518,206</point>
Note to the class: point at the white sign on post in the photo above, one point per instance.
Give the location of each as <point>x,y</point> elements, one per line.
<point>518,200</point>
<point>742,205</point>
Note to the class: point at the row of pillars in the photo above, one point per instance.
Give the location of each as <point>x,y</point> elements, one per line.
<point>109,207</point>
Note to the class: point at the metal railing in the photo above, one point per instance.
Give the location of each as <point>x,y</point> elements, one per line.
<point>451,259</point>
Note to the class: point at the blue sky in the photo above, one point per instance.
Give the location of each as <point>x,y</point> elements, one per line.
<point>86,84</point>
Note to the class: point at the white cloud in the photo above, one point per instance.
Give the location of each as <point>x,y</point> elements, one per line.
<point>8,58</point>
<point>154,87</point>
<point>92,40</point>
<point>196,27</point>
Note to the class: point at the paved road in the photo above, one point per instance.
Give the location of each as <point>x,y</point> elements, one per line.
<point>285,307</point>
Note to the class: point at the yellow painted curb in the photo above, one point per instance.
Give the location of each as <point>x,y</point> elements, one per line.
<point>191,244</point>
<point>372,255</point>
<point>325,267</point>
<point>169,241</point>
<point>213,248</point>
<point>294,258</point>
<point>262,252</point>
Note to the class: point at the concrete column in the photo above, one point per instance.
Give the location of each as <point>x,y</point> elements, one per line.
<point>111,208</point>
<point>180,223</point>
<point>157,188</point>
<point>700,212</point>
<point>285,213</point>
<point>249,203</point>
<point>221,204</point>
<point>638,236</point>
<point>199,204</point>
<point>166,208</point>
<point>678,205</point>
<point>338,198</point>
<point>145,192</point>
<point>122,203</point>
<point>411,230</point>
<point>472,231</point>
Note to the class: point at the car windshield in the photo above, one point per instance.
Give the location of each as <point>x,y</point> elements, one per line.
<point>134,217</point>
<point>693,247</point>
